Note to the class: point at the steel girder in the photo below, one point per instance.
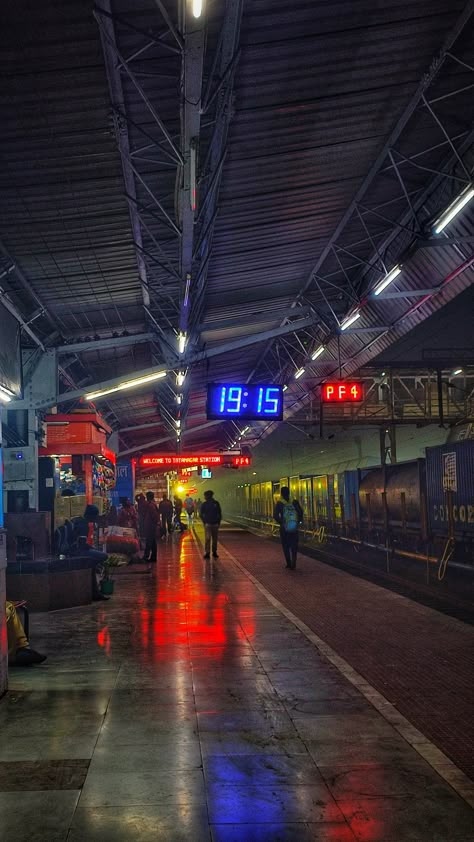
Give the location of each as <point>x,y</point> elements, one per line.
<point>200,356</point>
<point>218,102</point>
<point>171,233</point>
<point>401,396</point>
<point>165,439</point>
<point>362,249</point>
<point>105,343</point>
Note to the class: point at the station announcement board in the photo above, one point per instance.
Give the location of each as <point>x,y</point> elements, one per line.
<point>349,391</point>
<point>173,461</point>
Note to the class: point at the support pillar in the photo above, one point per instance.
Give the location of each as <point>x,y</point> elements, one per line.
<point>3,591</point>
<point>388,445</point>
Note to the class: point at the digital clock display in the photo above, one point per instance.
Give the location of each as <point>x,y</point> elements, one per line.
<point>241,400</point>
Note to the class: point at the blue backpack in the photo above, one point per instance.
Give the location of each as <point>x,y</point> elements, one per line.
<point>289,518</point>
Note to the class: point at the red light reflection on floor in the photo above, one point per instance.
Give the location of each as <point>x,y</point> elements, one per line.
<point>190,610</point>
<point>103,639</point>
<point>367,826</point>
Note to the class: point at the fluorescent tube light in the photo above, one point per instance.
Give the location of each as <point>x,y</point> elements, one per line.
<point>454,208</point>
<point>457,371</point>
<point>127,384</point>
<point>394,273</point>
<point>180,377</point>
<point>178,423</point>
<point>186,291</point>
<point>285,388</point>
<point>299,373</point>
<point>192,174</point>
<point>197,8</point>
<point>4,396</point>
<point>245,430</point>
<point>350,320</point>
<point>179,399</point>
<point>318,352</point>
<point>182,339</point>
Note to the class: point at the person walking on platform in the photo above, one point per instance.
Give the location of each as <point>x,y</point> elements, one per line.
<point>288,515</point>
<point>166,515</point>
<point>189,507</point>
<point>211,516</point>
<point>178,510</point>
<point>150,524</point>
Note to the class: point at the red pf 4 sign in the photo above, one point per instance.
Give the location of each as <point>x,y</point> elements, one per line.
<point>342,392</point>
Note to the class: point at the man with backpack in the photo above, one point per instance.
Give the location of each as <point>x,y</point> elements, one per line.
<point>211,516</point>
<point>289,516</point>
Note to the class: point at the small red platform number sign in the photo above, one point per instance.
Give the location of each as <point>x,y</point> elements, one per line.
<point>342,392</point>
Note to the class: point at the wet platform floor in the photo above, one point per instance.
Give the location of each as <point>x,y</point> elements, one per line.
<point>188,707</point>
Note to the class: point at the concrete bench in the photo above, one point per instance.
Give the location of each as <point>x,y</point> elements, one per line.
<point>49,584</point>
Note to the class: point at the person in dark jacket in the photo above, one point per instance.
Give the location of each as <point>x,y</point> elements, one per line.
<point>211,516</point>
<point>141,504</point>
<point>178,510</point>
<point>166,515</point>
<point>288,515</point>
<point>150,525</point>
<point>81,547</point>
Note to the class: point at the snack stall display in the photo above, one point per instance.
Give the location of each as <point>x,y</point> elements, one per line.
<point>85,467</point>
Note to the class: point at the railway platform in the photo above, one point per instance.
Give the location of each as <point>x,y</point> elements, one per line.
<point>236,701</point>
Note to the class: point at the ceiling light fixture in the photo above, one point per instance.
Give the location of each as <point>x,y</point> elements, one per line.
<point>180,377</point>
<point>394,273</point>
<point>186,291</point>
<point>4,396</point>
<point>127,384</point>
<point>349,320</point>
<point>453,209</point>
<point>182,339</point>
<point>285,388</point>
<point>299,373</point>
<point>178,423</point>
<point>179,399</point>
<point>318,352</point>
<point>457,371</point>
<point>192,176</point>
<point>197,8</point>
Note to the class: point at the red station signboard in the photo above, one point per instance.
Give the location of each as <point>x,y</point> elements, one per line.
<point>349,391</point>
<point>171,461</point>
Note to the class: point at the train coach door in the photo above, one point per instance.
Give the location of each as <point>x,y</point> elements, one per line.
<point>320,499</point>
<point>305,499</point>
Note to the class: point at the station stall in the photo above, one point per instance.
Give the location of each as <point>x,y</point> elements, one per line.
<point>78,467</point>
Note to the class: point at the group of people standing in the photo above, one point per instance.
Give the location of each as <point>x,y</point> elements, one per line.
<point>154,521</point>
<point>158,520</point>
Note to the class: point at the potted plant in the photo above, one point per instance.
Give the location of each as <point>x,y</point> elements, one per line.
<point>107,584</point>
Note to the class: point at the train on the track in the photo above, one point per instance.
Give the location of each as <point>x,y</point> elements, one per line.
<point>418,507</point>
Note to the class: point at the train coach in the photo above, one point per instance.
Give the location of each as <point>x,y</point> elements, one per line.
<point>415,507</point>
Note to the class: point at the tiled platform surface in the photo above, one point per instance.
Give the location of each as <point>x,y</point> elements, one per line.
<point>196,711</point>
<point>419,659</point>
